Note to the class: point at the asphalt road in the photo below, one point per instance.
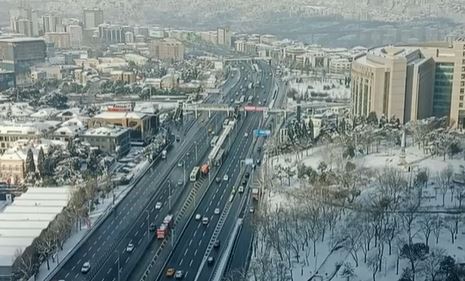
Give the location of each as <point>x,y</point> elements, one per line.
<point>190,251</point>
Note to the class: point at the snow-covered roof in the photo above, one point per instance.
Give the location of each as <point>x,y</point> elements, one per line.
<point>23,220</point>
<point>13,155</point>
<point>105,131</point>
<point>120,115</point>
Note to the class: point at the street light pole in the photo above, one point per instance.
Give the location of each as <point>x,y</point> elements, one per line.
<point>169,194</point>
<point>148,225</point>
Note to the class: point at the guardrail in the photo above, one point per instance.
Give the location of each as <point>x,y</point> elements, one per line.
<point>100,220</point>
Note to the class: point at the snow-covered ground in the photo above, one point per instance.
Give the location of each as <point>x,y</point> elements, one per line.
<point>330,88</point>
<point>95,216</point>
<point>281,199</point>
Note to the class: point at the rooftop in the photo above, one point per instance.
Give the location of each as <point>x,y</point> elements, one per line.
<point>23,220</point>
<point>105,131</point>
<point>120,115</point>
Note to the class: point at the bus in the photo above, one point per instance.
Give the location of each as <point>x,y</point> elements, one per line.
<point>194,174</point>
<point>214,141</point>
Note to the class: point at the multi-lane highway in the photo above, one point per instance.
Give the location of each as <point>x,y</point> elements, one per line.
<point>191,254</point>
<point>105,248</point>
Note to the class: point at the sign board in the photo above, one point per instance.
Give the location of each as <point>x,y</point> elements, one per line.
<point>262,133</point>
<point>253,108</point>
<point>248,161</point>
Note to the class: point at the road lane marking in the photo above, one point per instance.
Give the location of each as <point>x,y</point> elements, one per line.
<point>190,264</point>
<point>195,253</point>
<point>109,270</point>
<point>185,252</point>
<point>180,263</point>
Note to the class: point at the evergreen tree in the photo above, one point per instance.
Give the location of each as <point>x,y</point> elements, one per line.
<point>30,165</point>
<point>41,162</point>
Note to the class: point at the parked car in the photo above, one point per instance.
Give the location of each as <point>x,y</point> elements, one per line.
<point>158,206</point>
<point>85,267</point>
<point>170,272</point>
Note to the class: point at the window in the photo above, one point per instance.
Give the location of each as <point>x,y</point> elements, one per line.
<point>461,98</point>
<point>462,83</point>
<point>462,90</point>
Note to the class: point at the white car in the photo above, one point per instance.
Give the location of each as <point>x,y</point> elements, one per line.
<point>198,217</point>
<point>179,164</point>
<point>85,267</point>
<point>205,220</point>
<point>158,206</point>
<point>246,135</point>
<point>225,178</point>
<point>130,248</point>
<point>217,211</point>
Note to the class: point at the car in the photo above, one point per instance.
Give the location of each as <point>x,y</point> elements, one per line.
<point>217,211</point>
<point>198,217</point>
<point>218,179</point>
<point>216,244</point>
<point>152,227</point>
<point>251,210</point>
<point>210,260</point>
<point>247,175</point>
<point>179,274</point>
<point>179,164</point>
<point>205,220</point>
<point>263,87</point>
<point>232,100</point>
<point>244,182</point>
<point>170,272</point>
<point>85,267</point>
<point>225,178</point>
<point>259,149</point>
<point>246,135</point>
<point>158,206</point>
<point>178,139</point>
<point>180,182</point>
<point>258,162</point>
<point>259,103</point>
<point>130,248</point>
<point>241,189</point>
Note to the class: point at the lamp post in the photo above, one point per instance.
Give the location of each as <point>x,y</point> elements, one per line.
<point>148,224</point>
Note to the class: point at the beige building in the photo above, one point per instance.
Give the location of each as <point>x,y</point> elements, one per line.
<point>142,126</point>
<point>61,40</point>
<point>411,82</point>
<point>167,49</point>
<point>12,166</point>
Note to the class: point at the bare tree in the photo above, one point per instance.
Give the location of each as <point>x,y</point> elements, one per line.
<point>437,225</point>
<point>426,222</point>
<point>431,265</point>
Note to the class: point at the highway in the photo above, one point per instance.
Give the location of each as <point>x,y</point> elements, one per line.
<point>194,246</point>
<point>105,249</point>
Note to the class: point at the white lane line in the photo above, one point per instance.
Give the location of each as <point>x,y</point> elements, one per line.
<point>195,253</point>
<point>76,276</point>
<point>185,252</point>
<point>180,263</point>
<point>109,270</point>
<point>190,242</point>
<point>67,274</point>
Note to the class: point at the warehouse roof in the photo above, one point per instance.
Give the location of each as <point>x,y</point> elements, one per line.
<point>24,220</point>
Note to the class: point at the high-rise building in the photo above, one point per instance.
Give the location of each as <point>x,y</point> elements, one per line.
<point>61,40</point>
<point>75,35</point>
<point>19,54</point>
<point>411,82</point>
<point>112,33</point>
<point>92,18</point>
<point>51,22</point>
<point>167,49</point>
<point>24,27</point>
<point>224,36</point>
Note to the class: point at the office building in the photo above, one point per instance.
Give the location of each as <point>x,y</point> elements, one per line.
<point>411,82</point>
<point>224,37</point>
<point>92,18</point>
<point>52,23</point>
<point>112,33</point>
<point>24,26</point>
<point>61,40</point>
<point>142,126</point>
<point>19,54</point>
<point>114,140</point>
<point>167,49</point>
<point>75,35</point>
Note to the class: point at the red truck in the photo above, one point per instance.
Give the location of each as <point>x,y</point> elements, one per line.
<point>165,227</point>
<point>204,169</point>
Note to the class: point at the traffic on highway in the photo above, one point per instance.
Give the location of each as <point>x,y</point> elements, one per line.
<point>181,219</point>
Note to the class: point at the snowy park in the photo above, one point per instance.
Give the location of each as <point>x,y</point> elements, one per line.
<point>369,203</point>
